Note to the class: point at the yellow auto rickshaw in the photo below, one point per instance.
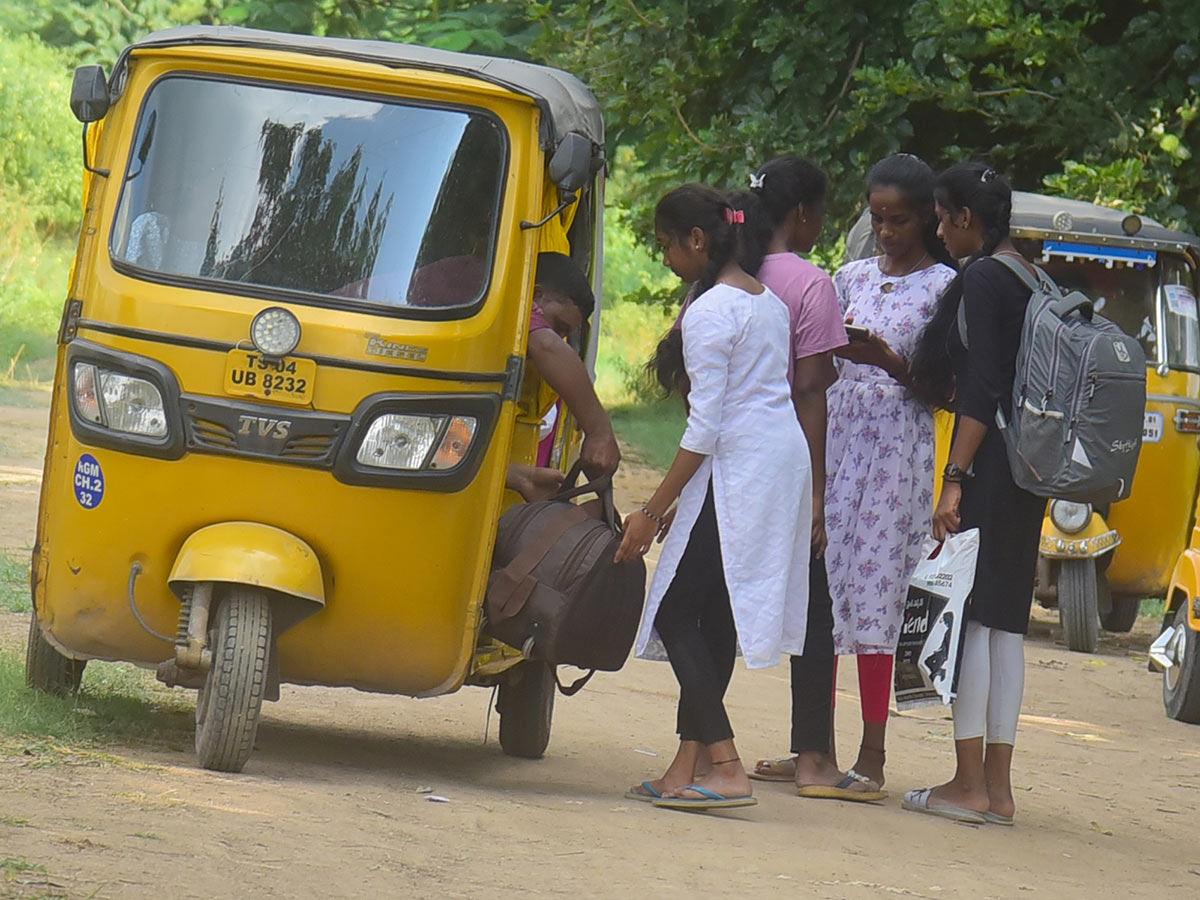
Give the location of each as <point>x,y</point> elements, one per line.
<point>290,373</point>
<point>1176,652</point>
<point>1097,564</point>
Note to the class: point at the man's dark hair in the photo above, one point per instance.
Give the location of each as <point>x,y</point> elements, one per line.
<point>556,272</point>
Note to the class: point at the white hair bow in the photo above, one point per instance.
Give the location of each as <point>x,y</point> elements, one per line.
<point>756,181</point>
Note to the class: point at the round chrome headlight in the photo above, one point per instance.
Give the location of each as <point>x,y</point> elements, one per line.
<point>1069,516</point>
<point>275,331</point>
<point>1063,220</point>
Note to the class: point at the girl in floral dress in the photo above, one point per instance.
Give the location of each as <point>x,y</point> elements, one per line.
<point>880,450</point>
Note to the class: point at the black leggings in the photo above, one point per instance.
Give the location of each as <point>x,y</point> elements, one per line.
<point>695,623</point>
<point>812,673</point>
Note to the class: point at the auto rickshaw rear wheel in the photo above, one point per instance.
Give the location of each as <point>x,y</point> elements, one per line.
<point>45,668</point>
<point>1077,604</point>
<point>526,707</point>
<point>229,702</point>
<point>1181,682</point>
<point>1118,612</point>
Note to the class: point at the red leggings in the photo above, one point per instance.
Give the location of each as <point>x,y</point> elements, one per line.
<point>874,685</point>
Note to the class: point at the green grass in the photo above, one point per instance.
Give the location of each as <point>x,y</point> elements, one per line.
<point>651,430</point>
<point>649,426</point>
<point>33,286</point>
<point>1154,607</point>
<point>14,582</point>
<point>118,704</point>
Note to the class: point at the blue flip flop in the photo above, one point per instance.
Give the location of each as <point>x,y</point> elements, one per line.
<point>648,797</point>
<point>707,800</point>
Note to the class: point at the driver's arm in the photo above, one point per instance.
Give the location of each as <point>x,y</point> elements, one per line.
<point>562,369</point>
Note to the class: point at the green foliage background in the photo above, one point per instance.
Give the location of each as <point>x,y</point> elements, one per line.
<point>1095,99</point>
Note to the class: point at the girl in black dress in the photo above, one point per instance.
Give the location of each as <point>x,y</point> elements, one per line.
<point>974,205</point>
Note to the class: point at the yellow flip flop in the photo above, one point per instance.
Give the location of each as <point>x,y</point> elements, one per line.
<point>707,800</point>
<point>843,790</point>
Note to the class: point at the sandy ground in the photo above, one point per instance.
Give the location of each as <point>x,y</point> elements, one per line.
<point>335,801</point>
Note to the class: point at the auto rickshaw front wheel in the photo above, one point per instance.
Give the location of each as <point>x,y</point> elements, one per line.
<point>1077,604</point>
<point>45,668</point>
<point>227,708</point>
<point>526,707</point>
<point>1181,682</point>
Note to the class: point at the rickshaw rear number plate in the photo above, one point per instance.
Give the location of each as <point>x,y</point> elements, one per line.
<point>287,380</point>
<point>1152,428</point>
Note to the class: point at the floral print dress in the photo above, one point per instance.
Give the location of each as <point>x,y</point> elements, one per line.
<point>879,461</point>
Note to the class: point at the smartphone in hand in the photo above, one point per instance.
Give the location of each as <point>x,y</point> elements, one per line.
<point>858,333</point>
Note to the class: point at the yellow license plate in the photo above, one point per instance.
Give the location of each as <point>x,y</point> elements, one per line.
<point>288,380</point>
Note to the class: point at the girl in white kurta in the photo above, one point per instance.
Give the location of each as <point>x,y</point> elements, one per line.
<point>734,566</point>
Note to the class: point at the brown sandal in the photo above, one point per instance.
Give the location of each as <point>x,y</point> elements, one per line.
<point>780,769</point>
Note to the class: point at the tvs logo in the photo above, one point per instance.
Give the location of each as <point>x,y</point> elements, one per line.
<point>1121,350</point>
<point>257,426</point>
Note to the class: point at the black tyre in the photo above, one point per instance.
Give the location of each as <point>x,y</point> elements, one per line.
<point>1118,612</point>
<point>228,705</point>
<point>45,668</point>
<point>1077,604</point>
<point>526,707</point>
<point>1181,682</point>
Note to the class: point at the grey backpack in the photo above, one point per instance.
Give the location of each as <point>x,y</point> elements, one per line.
<point>1078,400</point>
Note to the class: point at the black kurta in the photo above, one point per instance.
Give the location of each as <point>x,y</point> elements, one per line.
<point>1009,519</point>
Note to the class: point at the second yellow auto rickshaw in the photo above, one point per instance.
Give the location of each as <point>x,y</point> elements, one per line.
<point>1097,564</point>
<point>291,375</point>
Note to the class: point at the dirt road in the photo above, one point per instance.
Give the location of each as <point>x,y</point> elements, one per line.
<point>338,799</point>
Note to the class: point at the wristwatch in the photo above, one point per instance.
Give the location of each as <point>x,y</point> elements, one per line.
<point>952,472</point>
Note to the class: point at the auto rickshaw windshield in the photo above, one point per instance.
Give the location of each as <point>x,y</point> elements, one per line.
<point>251,186</point>
<point>1131,288</point>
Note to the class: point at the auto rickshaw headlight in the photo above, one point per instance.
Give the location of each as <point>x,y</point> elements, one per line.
<point>119,402</point>
<point>1070,516</point>
<point>396,441</point>
<point>275,331</point>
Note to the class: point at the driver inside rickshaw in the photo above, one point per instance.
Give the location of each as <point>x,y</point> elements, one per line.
<point>562,302</point>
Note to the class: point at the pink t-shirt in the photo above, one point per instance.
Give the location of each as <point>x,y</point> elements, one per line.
<point>816,316</point>
<point>538,320</point>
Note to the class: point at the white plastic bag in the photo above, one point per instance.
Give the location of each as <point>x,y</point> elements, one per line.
<point>927,656</point>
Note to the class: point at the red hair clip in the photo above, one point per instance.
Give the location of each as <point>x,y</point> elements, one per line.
<point>735,216</point>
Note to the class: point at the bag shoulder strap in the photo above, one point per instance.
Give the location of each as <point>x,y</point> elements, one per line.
<point>575,686</point>
<point>962,324</point>
<point>1020,268</point>
<point>512,585</point>
<point>1040,281</point>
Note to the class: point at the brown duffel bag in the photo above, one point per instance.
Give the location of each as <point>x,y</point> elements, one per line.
<point>555,592</point>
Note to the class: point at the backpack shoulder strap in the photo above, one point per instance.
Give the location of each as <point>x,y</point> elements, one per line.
<point>962,324</point>
<point>1021,270</point>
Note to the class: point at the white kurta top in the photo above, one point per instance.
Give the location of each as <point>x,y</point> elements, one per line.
<point>735,351</point>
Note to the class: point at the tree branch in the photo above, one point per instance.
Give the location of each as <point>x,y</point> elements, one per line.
<point>1015,90</point>
<point>637,12</point>
<point>845,84</point>
<point>690,133</point>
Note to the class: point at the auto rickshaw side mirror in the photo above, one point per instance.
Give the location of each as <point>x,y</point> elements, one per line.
<point>571,165</point>
<point>89,94</point>
<point>570,168</point>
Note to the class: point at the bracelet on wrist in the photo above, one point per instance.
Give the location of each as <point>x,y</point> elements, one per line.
<point>660,521</point>
<point>955,474</point>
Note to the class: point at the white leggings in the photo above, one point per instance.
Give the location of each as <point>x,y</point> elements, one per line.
<point>991,681</point>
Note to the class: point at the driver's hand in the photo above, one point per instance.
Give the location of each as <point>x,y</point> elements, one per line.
<point>599,454</point>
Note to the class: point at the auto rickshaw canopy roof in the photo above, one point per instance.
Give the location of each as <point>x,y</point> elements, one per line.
<point>1046,213</point>
<point>1041,215</point>
<point>567,104</point>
